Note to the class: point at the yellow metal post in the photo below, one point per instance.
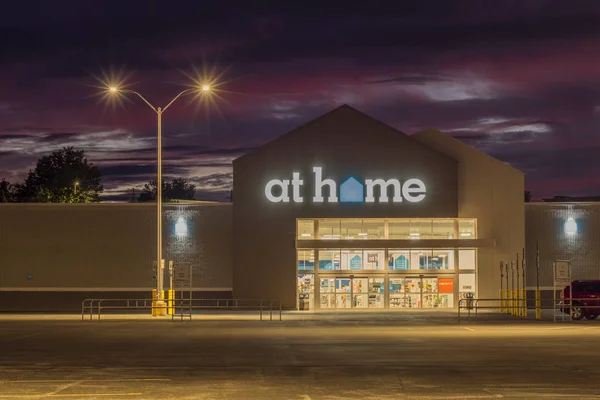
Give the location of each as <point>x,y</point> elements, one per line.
<point>170,297</point>
<point>524,301</point>
<point>154,292</point>
<point>501,289</point>
<point>538,297</point>
<point>538,304</point>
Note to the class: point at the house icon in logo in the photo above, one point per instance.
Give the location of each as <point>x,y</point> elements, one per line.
<point>352,191</point>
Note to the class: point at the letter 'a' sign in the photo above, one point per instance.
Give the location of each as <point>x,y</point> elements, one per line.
<point>350,191</point>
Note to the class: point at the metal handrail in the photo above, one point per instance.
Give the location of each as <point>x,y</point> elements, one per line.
<point>95,306</point>
<point>473,304</point>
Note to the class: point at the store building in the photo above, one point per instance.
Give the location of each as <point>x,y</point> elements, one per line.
<point>561,230</point>
<point>346,212</point>
<point>342,213</point>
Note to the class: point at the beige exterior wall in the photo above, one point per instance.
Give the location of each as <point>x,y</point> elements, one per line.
<point>94,247</point>
<point>492,192</point>
<point>545,224</point>
<point>344,143</point>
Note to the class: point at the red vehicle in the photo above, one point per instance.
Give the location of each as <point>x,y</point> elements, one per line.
<point>586,299</point>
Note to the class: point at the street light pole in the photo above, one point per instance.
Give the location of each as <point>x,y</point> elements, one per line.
<point>159,111</point>
<point>159,268</point>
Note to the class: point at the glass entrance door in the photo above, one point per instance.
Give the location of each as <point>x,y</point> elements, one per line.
<point>351,292</point>
<point>421,292</point>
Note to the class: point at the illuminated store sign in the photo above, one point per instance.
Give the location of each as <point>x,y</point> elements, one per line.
<point>350,191</point>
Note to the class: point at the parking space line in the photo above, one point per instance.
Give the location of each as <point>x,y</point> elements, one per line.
<point>37,396</point>
<point>90,380</point>
<point>94,394</point>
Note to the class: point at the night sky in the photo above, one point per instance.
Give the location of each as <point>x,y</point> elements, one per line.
<point>520,80</point>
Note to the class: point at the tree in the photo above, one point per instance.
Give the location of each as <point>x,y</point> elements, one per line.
<point>7,191</point>
<point>64,176</point>
<point>527,196</point>
<point>177,189</point>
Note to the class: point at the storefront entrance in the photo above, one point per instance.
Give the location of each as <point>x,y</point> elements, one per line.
<point>348,292</point>
<point>380,291</point>
<point>421,292</point>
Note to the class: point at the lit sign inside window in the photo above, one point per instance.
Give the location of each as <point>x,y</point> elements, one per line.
<point>570,226</point>
<point>181,228</point>
<point>350,191</point>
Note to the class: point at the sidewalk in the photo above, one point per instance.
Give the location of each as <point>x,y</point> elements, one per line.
<point>434,317</point>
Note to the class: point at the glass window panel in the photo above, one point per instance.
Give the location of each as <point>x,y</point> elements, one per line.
<point>421,259</point>
<point>306,290</point>
<point>306,260</point>
<point>398,229</point>
<point>412,289</point>
<point>399,260</point>
<point>376,293</point>
<point>306,229</point>
<point>445,300</point>
<point>421,229</point>
<point>466,229</point>
<point>466,259</point>
<point>374,228</point>
<point>352,229</point>
<point>352,260</point>
<point>442,229</point>
<point>466,285</point>
<point>396,289</point>
<point>430,285</point>
<point>374,259</point>
<point>327,297</point>
<point>443,259</point>
<point>329,229</point>
<point>329,260</point>
<point>327,285</point>
<point>342,285</point>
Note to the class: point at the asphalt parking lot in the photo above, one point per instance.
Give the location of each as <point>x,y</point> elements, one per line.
<point>356,357</point>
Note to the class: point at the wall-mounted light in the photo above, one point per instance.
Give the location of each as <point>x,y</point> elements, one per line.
<point>305,235</point>
<point>570,226</point>
<point>465,234</point>
<point>181,229</point>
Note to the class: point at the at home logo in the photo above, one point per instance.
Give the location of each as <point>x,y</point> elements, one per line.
<point>350,191</point>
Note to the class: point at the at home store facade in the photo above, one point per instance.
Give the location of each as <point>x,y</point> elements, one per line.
<point>347,213</point>
<point>343,213</point>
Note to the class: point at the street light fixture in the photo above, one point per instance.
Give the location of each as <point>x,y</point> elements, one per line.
<point>116,91</point>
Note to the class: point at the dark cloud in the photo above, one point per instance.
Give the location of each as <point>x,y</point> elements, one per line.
<point>515,80</point>
<point>415,78</point>
<point>219,181</point>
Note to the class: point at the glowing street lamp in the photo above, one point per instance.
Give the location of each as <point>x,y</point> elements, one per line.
<point>117,91</point>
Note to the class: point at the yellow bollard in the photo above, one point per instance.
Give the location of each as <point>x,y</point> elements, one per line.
<point>513,308</point>
<point>501,301</point>
<point>524,303</point>
<point>170,298</point>
<point>154,293</point>
<point>168,302</point>
<point>538,304</point>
